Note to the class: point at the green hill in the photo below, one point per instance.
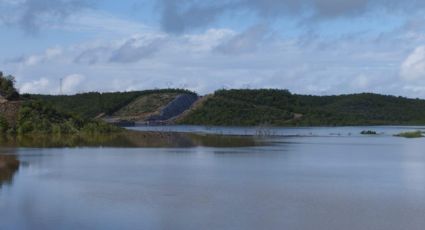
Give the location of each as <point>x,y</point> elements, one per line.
<point>280,107</point>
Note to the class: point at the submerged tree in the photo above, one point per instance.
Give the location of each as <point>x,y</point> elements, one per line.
<point>7,87</point>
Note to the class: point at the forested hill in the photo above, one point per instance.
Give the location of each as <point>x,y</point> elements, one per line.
<point>90,105</point>
<point>249,107</point>
<point>280,107</point>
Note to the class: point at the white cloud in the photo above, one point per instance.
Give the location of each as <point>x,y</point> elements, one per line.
<point>95,21</point>
<point>191,61</point>
<point>35,59</point>
<point>31,15</point>
<point>245,42</point>
<point>136,49</point>
<point>415,88</point>
<point>71,83</point>
<point>361,82</point>
<point>208,40</point>
<point>38,86</point>
<point>413,68</point>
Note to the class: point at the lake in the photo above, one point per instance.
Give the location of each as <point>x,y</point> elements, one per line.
<point>188,177</point>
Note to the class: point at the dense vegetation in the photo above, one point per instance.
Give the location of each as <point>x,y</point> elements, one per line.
<point>7,89</point>
<point>35,117</point>
<point>90,105</point>
<point>244,107</point>
<point>360,109</point>
<point>280,107</point>
<point>73,113</point>
<point>4,125</point>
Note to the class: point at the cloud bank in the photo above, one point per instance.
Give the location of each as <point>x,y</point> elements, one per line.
<point>178,16</point>
<point>31,15</point>
<point>306,46</point>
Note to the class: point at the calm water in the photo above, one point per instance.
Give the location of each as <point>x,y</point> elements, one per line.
<point>308,178</point>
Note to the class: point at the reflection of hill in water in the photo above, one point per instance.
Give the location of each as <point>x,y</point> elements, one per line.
<point>9,165</point>
<point>129,139</point>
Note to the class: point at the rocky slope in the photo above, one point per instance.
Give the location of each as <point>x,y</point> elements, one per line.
<point>153,108</point>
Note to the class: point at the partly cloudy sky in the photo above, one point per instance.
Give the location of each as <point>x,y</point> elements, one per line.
<point>307,46</point>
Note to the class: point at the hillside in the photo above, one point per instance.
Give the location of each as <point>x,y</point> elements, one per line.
<point>155,107</point>
<point>280,107</point>
<point>90,105</point>
<point>242,107</point>
<point>23,115</point>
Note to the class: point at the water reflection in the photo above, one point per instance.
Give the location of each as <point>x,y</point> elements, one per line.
<point>319,183</point>
<point>9,165</point>
<point>130,139</point>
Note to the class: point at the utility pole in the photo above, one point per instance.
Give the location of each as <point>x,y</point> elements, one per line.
<point>60,86</point>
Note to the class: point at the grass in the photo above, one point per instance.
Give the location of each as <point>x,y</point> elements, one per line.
<point>413,134</point>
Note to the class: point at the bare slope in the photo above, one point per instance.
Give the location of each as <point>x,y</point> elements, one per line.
<point>144,106</point>
<point>157,107</point>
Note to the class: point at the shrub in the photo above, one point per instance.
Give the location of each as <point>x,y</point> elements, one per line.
<point>36,117</point>
<point>4,125</point>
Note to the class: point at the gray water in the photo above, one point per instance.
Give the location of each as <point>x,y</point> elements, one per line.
<point>329,178</point>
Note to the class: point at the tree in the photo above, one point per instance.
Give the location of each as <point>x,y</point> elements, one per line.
<point>7,87</point>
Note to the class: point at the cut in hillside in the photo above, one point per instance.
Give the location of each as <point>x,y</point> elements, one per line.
<point>280,107</point>
<point>145,106</point>
<point>197,104</point>
<point>158,107</point>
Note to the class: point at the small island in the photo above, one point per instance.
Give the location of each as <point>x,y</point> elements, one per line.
<point>368,132</point>
<point>412,134</point>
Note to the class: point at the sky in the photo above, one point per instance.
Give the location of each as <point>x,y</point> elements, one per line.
<point>319,47</point>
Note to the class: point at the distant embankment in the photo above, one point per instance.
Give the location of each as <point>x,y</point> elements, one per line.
<point>173,109</point>
<point>157,108</point>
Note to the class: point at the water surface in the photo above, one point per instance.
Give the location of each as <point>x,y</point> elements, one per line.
<point>333,178</point>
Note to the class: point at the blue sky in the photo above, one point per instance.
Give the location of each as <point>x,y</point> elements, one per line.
<point>317,47</point>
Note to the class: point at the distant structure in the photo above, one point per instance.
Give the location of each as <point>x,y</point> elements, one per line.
<point>60,86</point>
